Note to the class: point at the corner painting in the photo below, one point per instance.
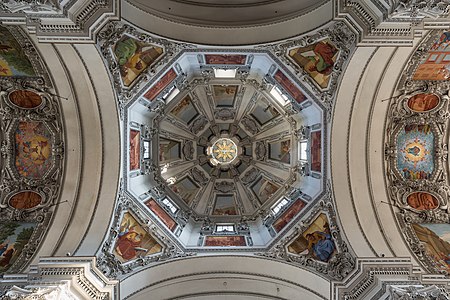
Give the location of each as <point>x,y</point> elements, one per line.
<point>316,241</point>
<point>289,86</point>
<point>134,241</point>
<point>13,60</point>
<point>317,60</point>
<point>33,149</point>
<point>288,215</point>
<point>436,239</point>
<point>134,57</point>
<point>161,214</point>
<point>436,65</point>
<point>225,241</point>
<point>415,148</point>
<point>135,149</point>
<point>13,238</point>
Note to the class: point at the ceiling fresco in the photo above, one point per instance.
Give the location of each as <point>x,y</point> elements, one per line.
<point>226,151</point>
<point>416,153</point>
<point>32,150</point>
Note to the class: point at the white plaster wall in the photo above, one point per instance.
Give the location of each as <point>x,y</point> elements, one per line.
<point>224,276</point>
<point>357,151</point>
<point>92,150</point>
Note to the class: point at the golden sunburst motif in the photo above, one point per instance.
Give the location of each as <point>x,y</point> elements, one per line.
<point>224,150</point>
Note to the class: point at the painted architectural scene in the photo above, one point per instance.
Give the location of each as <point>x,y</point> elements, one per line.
<point>224,205</point>
<point>264,189</point>
<point>161,214</point>
<point>224,95</point>
<point>169,150</point>
<point>316,151</point>
<point>134,241</point>
<point>280,151</point>
<point>288,215</point>
<point>436,239</point>
<point>135,149</point>
<point>13,238</point>
<point>185,110</point>
<point>289,86</point>
<point>422,201</point>
<point>225,59</point>
<point>415,148</point>
<point>316,241</point>
<point>186,189</point>
<point>225,241</point>
<point>33,149</point>
<point>159,86</point>
<point>134,57</point>
<point>423,102</point>
<point>437,62</point>
<point>317,60</point>
<point>264,112</point>
<point>25,200</point>
<point>13,60</point>
<point>25,99</point>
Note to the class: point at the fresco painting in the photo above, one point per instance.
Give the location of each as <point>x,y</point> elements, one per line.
<point>437,62</point>
<point>225,59</point>
<point>289,86</point>
<point>169,150</point>
<point>224,95</point>
<point>288,215</point>
<point>264,189</point>
<point>317,60</point>
<point>415,148</point>
<point>422,201</point>
<point>135,149</point>
<point>25,99</point>
<point>33,149</point>
<point>224,205</point>
<point>316,241</point>
<point>264,113</point>
<point>134,241</point>
<point>13,60</point>
<point>134,57</point>
<point>161,85</point>
<point>280,151</point>
<point>13,238</point>
<point>186,189</point>
<point>225,241</point>
<point>185,110</point>
<point>161,214</point>
<point>316,151</point>
<point>423,102</point>
<point>25,200</point>
<point>436,239</point>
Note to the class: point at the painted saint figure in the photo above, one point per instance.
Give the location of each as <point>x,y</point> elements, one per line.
<point>129,242</point>
<point>320,245</point>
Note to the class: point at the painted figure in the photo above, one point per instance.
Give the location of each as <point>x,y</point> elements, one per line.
<point>129,242</point>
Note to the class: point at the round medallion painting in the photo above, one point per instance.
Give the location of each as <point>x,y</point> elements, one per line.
<point>423,102</point>
<point>25,99</point>
<point>422,201</point>
<point>25,200</point>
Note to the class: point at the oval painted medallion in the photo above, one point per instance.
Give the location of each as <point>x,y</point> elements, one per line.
<point>423,102</point>
<point>25,200</point>
<point>25,99</point>
<point>422,201</point>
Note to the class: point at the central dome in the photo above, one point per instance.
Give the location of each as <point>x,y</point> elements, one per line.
<point>223,152</point>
